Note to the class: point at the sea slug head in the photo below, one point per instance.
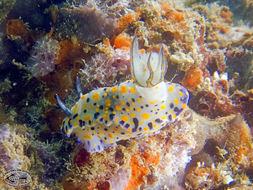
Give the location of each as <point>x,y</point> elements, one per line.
<point>148,69</point>
<point>67,124</point>
<point>72,115</point>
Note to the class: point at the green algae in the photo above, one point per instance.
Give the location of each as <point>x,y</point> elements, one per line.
<point>5,7</point>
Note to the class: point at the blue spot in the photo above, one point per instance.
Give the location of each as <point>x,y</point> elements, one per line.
<point>79,141</point>
<point>96,115</point>
<point>111,116</point>
<point>158,121</point>
<point>150,125</point>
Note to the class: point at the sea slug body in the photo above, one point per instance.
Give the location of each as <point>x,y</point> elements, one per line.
<point>135,108</point>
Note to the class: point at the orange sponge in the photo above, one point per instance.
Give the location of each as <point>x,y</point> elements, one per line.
<point>122,41</point>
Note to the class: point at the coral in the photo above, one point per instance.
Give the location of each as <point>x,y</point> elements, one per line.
<point>220,29</point>
<point>208,104</point>
<point>240,9</point>
<point>209,47</point>
<point>121,6</point>
<point>12,149</point>
<point>244,103</point>
<point>204,66</point>
<point>202,177</point>
<point>239,63</point>
<point>239,144</point>
<point>228,163</point>
<point>144,160</point>
<point>13,145</point>
<point>44,55</point>
<point>213,101</point>
<point>160,160</point>
<point>6,161</point>
<point>120,181</point>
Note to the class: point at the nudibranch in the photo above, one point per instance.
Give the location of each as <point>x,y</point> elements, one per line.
<point>133,109</point>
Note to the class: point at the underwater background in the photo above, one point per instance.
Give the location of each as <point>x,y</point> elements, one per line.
<point>46,44</point>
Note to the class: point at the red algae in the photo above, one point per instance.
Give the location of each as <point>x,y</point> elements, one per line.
<point>16,27</point>
<point>200,63</point>
<point>192,78</point>
<point>172,14</point>
<point>69,61</point>
<point>208,104</point>
<point>240,143</point>
<point>70,185</point>
<point>127,19</point>
<point>150,167</point>
<point>175,15</point>
<point>69,51</point>
<point>226,14</point>
<point>54,123</point>
<point>140,168</point>
<point>152,159</point>
<point>138,172</point>
<point>81,157</point>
